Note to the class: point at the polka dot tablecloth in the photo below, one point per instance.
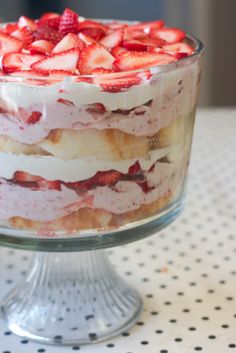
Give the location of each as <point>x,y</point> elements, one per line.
<point>186,274</point>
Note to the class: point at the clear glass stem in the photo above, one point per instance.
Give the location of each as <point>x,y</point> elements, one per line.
<point>71,298</point>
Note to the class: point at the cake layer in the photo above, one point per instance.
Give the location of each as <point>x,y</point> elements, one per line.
<point>109,144</point>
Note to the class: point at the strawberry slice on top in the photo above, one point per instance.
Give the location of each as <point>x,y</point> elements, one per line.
<point>41,46</point>
<point>94,56</point>
<point>112,39</point>
<point>65,61</point>
<point>9,44</point>
<point>70,41</point>
<point>170,35</point>
<point>18,61</point>
<point>137,60</point>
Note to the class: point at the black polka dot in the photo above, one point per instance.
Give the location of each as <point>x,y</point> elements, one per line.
<point>7,333</point>
<point>192,328</point>
<point>178,339</point>
<point>125,334</point>
<point>140,323</point>
<point>75,348</point>
<point>144,342</point>
<point>159,331</point>
<point>217,308</point>
<point>205,318</point>
<point>154,313</point>
<point>225,326</point>
<point>212,337</point>
<point>24,341</point>
<point>198,348</point>
<point>110,345</point>
<point>173,321</point>
<point>41,350</point>
<point>232,345</point>
<point>163,351</point>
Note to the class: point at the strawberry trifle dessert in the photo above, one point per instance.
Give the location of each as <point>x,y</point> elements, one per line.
<point>96,121</point>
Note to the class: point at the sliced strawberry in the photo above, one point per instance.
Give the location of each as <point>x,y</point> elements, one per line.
<point>27,22</point>
<point>116,51</point>
<point>26,73</point>
<point>170,35</point>
<point>23,177</point>
<point>11,27</point>
<point>94,56</point>
<point>178,48</point>
<point>66,102</point>
<point>68,22</point>
<point>92,24</point>
<point>96,108</point>
<point>146,27</point>
<point>102,71</point>
<point>52,22</point>
<point>117,84</point>
<point>179,56</point>
<point>48,184</point>
<point>94,33</point>
<point>134,34</point>
<point>107,178</point>
<point>25,34</point>
<point>115,25</point>
<point>137,60</point>
<point>134,45</point>
<point>60,73</point>
<point>68,42</point>
<point>66,61</point>
<point>34,118</point>
<point>92,29</point>
<point>135,168</point>
<point>18,61</point>
<point>42,46</point>
<point>112,39</point>
<point>46,32</point>
<point>85,39</point>
<point>49,15</point>
<point>9,44</point>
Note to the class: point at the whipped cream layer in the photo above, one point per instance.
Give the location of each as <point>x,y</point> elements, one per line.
<point>51,168</point>
<point>49,205</point>
<point>172,93</point>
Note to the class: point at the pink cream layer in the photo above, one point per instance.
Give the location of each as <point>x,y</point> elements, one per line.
<point>48,205</point>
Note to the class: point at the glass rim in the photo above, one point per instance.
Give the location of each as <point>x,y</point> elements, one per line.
<point>197,44</point>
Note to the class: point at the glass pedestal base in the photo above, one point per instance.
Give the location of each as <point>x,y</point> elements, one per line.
<point>71,298</point>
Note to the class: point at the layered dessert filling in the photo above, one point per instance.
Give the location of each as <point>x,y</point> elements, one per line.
<point>94,133</point>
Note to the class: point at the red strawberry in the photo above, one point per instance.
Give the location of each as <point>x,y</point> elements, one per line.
<point>11,27</point>
<point>34,118</point>
<point>112,39</point>
<point>66,102</point>
<point>27,22</point>
<point>96,108</point>
<point>46,32</point>
<point>66,61</point>
<point>52,22</point>
<point>117,84</point>
<point>9,44</point>
<point>92,29</point>
<point>49,184</point>
<point>25,34</point>
<point>116,51</point>
<point>23,177</point>
<point>49,15</point>
<point>95,33</point>
<point>41,46</point>
<point>68,22</point>
<point>94,56</point>
<point>106,178</point>
<point>26,73</point>
<point>137,60</point>
<point>146,26</point>
<point>170,35</point>
<point>102,71</point>
<point>179,56</point>
<point>115,25</point>
<point>68,42</point>
<point>86,40</point>
<point>135,168</point>
<point>18,61</point>
<point>178,48</point>
<point>134,34</point>
<point>134,45</point>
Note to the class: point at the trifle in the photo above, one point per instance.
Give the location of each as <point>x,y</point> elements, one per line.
<point>96,121</point>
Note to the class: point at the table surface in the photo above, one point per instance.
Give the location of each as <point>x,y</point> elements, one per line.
<point>186,274</point>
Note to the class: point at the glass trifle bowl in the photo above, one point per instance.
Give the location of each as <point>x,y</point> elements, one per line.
<point>87,162</point>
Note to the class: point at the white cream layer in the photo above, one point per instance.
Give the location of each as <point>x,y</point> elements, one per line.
<point>52,168</point>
